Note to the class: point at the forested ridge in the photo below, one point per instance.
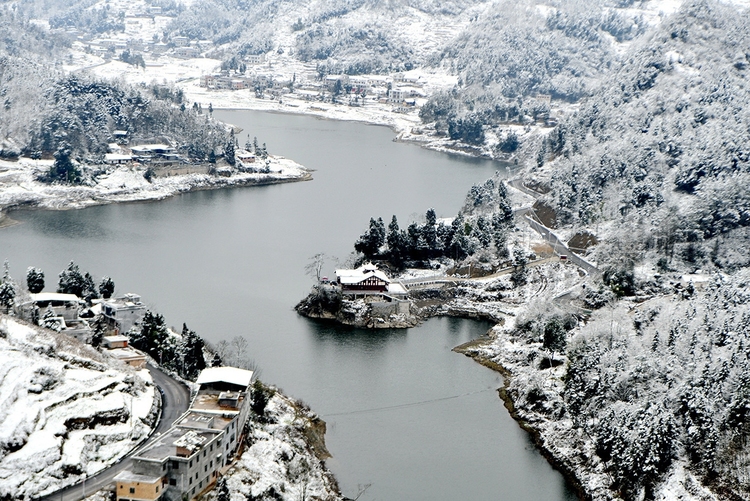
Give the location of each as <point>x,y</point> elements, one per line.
<point>47,112</point>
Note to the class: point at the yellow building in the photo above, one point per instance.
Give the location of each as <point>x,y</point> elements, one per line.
<point>134,487</point>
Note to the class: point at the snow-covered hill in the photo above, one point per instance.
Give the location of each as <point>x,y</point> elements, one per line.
<point>65,409</point>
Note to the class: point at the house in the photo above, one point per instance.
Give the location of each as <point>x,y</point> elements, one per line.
<point>330,81</point>
<point>111,342</point>
<point>180,41</point>
<point>117,158</point>
<point>123,313</point>
<point>208,81</point>
<point>185,461</point>
<point>245,157</point>
<point>65,308</point>
<point>255,59</point>
<point>363,280</point>
<point>187,52</point>
<point>397,95</point>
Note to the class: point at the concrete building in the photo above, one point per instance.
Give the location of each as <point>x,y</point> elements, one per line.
<point>186,460</point>
<point>124,312</point>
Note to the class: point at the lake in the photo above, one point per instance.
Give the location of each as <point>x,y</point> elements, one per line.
<point>405,414</point>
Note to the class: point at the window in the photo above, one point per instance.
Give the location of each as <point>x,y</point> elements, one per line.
<point>157,488</point>
<point>132,490</point>
<point>172,481</point>
<point>175,465</point>
<point>190,481</point>
<point>205,468</point>
<point>204,453</point>
<point>211,447</point>
<point>190,464</point>
<point>211,463</point>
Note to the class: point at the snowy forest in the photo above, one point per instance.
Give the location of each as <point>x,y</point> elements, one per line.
<point>651,158</point>
<point>49,113</point>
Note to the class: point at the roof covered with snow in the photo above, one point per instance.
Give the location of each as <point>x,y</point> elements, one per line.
<point>54,296</point>
<point>232,375</point>
<point>360,274</point>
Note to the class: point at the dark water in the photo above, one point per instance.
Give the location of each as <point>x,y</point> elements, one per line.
<point>404,413</point>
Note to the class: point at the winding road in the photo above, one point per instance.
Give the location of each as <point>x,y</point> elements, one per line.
<point>175,398</point>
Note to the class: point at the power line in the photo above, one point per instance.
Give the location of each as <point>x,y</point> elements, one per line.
<point>411,404</point>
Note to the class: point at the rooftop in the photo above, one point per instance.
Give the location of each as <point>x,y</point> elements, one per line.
<point>127,476</point>
<point>208,401</point>
<point>363,272</point>
<point>167,445</point>
<point>54,296</point>
<point>231,375</point>
<point>193,419</point>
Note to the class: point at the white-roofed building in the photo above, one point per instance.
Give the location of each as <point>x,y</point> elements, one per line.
<point>365,279</point>
<point>225,378</point>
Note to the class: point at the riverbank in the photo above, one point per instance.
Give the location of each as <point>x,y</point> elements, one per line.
<point>19,187</point>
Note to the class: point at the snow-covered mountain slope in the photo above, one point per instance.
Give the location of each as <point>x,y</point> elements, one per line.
<point>65,409</point>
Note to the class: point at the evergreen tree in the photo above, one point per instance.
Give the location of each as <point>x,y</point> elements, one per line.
<point>88,289</point>
<point>64,170</point>
<point>192,351</point>
<point>519,275</point>
<point>49,320</point>
<point>397,243</point>
<point>34,280</point>
<point>106,287</point>
<point>554,336</point>
<point>229,148</point>
<point>7,289</point>
<point>372,240</point>
<point>429,232</point>
<point>71,281</point>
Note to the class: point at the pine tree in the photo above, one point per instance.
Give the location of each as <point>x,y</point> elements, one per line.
<point>88,289</point>
<point>106,287</point>
<point>7,289</point>
<point>229,149</point>
<point>34,280</point>
<point>49,319</point>
<point>71,281</point>
<point>192,352</point>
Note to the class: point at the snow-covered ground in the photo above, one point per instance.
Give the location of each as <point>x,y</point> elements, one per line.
<point>19,186</point>
<point>280,458</point>
<point>65,410</point>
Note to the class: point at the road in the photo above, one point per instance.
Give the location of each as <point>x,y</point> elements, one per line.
<point>558,245</point>
<point>175,401</point>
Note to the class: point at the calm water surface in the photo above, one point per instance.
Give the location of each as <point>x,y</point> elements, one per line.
<point>404,413</point>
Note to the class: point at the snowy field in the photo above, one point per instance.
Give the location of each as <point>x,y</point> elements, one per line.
<point>18,184</point>
<point>65,410</point>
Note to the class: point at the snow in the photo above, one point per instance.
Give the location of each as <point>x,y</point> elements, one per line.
<point>233,375</point>
<point>280,458</point>
<point>123,183</point>
<point>48,382</point>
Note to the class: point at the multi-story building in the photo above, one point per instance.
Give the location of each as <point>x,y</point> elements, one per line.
<point>187,460</point>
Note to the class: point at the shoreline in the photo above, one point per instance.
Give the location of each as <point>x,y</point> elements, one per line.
<point>61,197</point>
<point>570,476</point>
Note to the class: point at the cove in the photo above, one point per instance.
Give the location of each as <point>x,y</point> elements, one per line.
<point>404,413</point>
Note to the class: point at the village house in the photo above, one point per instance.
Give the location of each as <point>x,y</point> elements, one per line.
<point>117,347</point>
<point>186,460</point>
<point>65,308</point>
<point>187,52</point>
<point>123,313</point>
<point>117,159</point>
<point>255,58</point>
<point>397,95</point>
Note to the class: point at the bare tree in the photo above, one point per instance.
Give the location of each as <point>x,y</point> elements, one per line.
<point>315,266</point>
